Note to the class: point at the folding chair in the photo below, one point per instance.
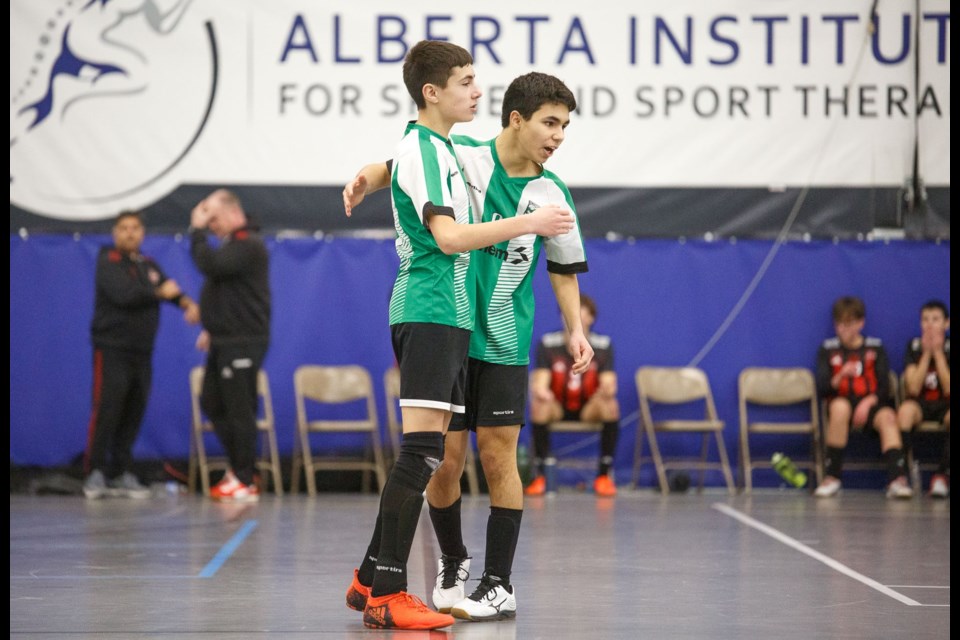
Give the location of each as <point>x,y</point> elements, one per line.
<point>335,385</point>
<point>391,389</point>
<point>678,386</point>
<point>201,464</point>
<point>778,387</point>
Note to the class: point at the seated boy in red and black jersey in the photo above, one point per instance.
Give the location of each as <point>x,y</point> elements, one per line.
<point>926,382</point>
<point>853,378</point>
<point>556,393</point>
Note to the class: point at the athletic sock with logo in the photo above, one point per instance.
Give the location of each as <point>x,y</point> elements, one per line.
<point>400,505</point>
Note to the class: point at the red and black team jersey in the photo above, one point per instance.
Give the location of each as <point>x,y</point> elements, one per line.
<point>573,390</point>
<point>931,391</point>
<point>873,370</point>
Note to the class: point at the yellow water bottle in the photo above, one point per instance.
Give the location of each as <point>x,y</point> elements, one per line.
<point>788,471</point>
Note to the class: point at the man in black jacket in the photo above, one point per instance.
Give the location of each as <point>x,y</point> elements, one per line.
<point>129,289</point>
<point>235,311</point>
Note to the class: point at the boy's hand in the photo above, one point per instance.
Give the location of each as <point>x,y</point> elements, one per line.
<point>354,193</point>
<point>860,414</point>
<point>579,347</point>
<point>850,369</point>
<point>551,220</point>
<point>932,341</point>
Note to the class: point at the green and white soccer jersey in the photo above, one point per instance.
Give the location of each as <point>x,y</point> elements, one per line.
<point>431,286</point>
<point>505,302</point>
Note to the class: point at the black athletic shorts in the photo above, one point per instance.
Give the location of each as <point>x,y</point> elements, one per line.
<point>496,396</point>
<point>868,426</point>
<point>433,364</point>
<point>934,411</point>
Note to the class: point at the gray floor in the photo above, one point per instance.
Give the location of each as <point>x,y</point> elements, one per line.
<point>779,564</point>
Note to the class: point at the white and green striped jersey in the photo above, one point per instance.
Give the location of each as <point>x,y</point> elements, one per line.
<point>505,302</point>
<point>426,181</point>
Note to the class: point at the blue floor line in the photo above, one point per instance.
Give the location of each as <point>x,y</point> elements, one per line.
<point>227,550</point>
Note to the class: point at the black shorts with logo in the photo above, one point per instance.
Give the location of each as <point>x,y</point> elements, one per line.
<point>496,396</point>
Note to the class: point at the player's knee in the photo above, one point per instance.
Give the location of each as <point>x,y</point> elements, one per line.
<point>497,469</point>
<point>449,471</point>
<point>539,413</point>
<point>839,408</point>
<point>420,457</point>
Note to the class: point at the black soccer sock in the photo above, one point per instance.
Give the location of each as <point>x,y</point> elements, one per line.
<point>906,437</point>
<point>446,524</point>
<point>896,463</point>
<point>503,532</point>
<point>608,446</point>
<point>833,461</point>
<point>420,456</point>
<point>541,444</point>
<point>369,564</point>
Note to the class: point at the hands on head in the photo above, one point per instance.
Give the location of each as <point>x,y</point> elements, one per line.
<point>200,216</point>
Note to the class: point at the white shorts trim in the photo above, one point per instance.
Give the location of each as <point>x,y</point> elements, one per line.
<point>433,404</point>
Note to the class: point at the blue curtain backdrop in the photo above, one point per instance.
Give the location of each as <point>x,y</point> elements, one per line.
<point>664,302</point>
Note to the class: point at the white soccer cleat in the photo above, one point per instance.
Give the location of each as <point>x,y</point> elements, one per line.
<point>491,601</point>
<point>452,574</point>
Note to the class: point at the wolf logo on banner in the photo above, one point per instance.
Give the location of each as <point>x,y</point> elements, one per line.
<point>91,97</point>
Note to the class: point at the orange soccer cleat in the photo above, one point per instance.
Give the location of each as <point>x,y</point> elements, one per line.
<point>536,488</point>
<point>357,594</point>
<point>230,489</point>
<point>402,611</point>
<point>604,487</point>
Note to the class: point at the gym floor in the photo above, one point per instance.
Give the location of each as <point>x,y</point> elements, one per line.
<point>775,564</point>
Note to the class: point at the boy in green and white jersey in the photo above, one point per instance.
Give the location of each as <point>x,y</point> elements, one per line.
<point>506,180</point>
<point>431,317</point>
<point>505,301</point>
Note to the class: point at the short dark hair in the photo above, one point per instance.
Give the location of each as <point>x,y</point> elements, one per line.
<point>527,93</point>
<point>129,213</point>
<point>588,303</point>
<point>936,304</point>
<point>431,62</point>
<point>849,307</point>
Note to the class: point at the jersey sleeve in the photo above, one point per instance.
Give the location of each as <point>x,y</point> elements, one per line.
<point>423,177</point>
<point>824,373</point>
<point>565,253</point>
<point>911,355</point>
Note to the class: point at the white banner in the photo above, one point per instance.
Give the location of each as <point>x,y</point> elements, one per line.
<point>114,103</point>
